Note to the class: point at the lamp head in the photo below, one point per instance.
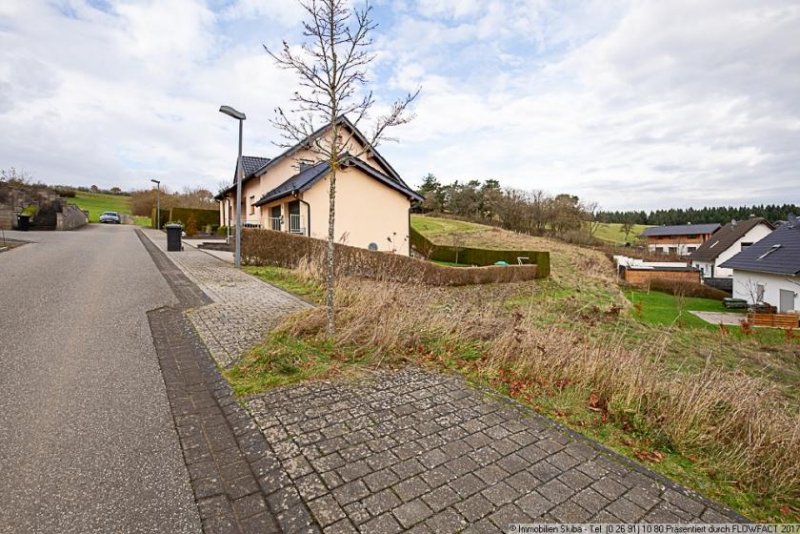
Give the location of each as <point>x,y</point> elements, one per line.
<point>227,110</point>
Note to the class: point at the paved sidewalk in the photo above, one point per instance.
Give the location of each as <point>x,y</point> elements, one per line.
<point>244,308</point>
<point>717,318</point>
<point>412,450</point>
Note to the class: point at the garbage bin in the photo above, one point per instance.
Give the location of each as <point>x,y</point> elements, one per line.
<point>23,222</point>
<point>174,237</point>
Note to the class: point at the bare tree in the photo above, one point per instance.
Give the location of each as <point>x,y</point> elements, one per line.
<point>593,222</point>
<point>331,66</point>
<point>627,228</point>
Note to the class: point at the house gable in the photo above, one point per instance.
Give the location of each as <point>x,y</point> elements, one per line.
<point>726,237</point>
<point>308,177</point>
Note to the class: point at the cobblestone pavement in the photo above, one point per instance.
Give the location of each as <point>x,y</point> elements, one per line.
<point>244,308</point>
<point>415,451</point>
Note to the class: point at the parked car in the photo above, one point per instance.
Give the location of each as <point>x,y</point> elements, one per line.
<point>110,217</point>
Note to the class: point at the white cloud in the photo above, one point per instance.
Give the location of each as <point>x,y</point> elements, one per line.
<point>632,104</point>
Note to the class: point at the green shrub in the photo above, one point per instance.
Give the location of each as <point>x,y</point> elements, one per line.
<point>201,217</point>
<point>688,289</point>
<point>478,256</point>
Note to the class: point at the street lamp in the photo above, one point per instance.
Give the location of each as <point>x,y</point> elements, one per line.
<point>238,115</point>
<point>158,203</point>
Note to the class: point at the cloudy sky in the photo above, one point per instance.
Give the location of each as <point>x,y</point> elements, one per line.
<point>631,104</point>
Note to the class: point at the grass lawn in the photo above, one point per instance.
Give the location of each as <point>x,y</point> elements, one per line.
<point>657,308</point>
<point>97,203</point>
<point>612,233</point>
<point>433,227</point>
<point>290,282</point>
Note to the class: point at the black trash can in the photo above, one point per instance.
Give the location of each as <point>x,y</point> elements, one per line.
<point>174,237</point>
<point>23,223</point>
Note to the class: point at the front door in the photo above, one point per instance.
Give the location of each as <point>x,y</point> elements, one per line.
<point>786,301</point>
<point>275,218</point>
<point>294,217</point>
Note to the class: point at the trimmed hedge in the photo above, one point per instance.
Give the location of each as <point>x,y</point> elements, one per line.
<point>164,217</point>
<point>202,217</point>
<point>268,247</point>
<point>688,289</point>
<point>478,256</point>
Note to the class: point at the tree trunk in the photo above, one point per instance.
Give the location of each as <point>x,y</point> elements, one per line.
<point>329,251</point>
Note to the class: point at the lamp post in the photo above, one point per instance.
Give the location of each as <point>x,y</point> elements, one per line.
<point>238,115</point>
<point>158,203</point>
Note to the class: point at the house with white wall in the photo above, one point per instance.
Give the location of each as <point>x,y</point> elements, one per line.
<point>290,193</point>
<point>768,271</point>
<point>727,242</point>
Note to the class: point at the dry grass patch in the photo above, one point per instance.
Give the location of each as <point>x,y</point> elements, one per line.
<point>735,433</point>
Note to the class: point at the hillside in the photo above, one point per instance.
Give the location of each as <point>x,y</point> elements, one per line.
<point>97,203</point>
<point>571,266</point>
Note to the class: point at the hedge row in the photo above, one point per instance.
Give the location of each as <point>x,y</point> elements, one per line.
<point>478,256</point>
<point>282,249</point>
<point>688,289</point>
<point>201,216</point>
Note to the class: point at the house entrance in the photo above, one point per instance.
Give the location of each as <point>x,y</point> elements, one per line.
<point>294,217</point>
<point>275,218</point>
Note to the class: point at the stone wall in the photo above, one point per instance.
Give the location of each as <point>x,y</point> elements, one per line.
<point>8,218</point>
<point>71,217</point>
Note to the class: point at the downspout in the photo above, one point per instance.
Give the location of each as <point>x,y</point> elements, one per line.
<point>410,207</point>
<point>308,220</point>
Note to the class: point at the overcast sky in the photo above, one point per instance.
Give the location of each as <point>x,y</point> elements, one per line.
<point>636,105</point>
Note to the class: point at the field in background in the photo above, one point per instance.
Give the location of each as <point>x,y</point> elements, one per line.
<point>97,203</point>
<point>612,233</point>
<point>438,228</point>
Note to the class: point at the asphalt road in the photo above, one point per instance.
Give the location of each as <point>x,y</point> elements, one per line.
<point>87,442</point>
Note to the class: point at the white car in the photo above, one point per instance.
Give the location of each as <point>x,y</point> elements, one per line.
<point>110,217</point>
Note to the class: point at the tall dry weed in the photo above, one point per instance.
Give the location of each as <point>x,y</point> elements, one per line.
<point>734,417</point>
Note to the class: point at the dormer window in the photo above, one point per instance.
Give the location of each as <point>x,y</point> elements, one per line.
<point>770,251</point>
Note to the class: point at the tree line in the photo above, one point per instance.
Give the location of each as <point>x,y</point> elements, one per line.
<point>533,212</point>
<point>721,214</point>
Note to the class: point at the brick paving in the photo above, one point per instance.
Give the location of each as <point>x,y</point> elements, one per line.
<point>223,451</point>
<point>417,451</point>
<point>244,309</point>
<point>398,451</point>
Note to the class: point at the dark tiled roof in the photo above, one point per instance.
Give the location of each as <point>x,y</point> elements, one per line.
<point>303,180</point>
<point>251,164</point>
<point>681,229</point>
<point>299,182</point>
<point>724,238</point>
<point>778,253</point>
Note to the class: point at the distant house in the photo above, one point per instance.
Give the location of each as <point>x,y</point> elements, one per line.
<point>725,243</point>
<point>680,240</point>
<point>769,270</point>
<point>289,193</point>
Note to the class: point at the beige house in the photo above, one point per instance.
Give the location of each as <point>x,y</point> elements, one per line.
<point>289,193</point>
